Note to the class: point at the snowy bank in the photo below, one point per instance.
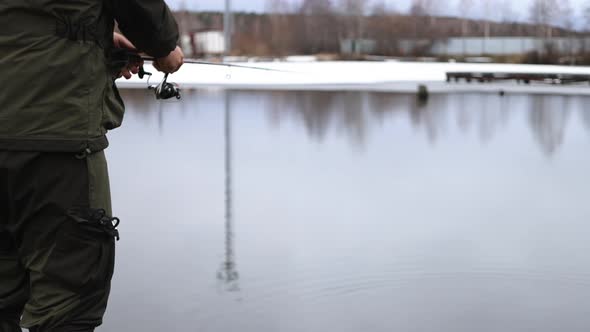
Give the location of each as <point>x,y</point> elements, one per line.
<point>369,76</point>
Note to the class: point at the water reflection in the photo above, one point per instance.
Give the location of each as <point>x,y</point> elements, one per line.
<point>548,120</point>
<point>322,112</point>
<point>228,273</point>
<point>355,114</point>
<point>437,210</point>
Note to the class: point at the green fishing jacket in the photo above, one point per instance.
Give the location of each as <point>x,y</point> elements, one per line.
<point>57,91</point>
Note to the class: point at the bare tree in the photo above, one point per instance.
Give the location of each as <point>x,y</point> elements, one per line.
<point>354,7</point>
<point>384,27</point>
<point>508,15</point>
<point>280,38</point>
<point>278,6</point>
<point>354,12</point>
<point>566,20</point>
<point>424,8</point>
<point>316,7</point>
<point>566,15</point>
<point>465,9</point>
<point>489,15</point>
<point>379,8</point>
<point>319,30</point>
<point>587,16</point>
<point>544,13</point>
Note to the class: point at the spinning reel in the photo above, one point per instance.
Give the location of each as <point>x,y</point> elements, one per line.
<point>164,90</point>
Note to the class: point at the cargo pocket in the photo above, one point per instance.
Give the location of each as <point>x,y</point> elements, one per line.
<point>82,258</point>
<point>83,255</point>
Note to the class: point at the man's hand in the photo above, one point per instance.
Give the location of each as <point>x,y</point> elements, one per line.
<point>121,42</point>
<point>170,63</point>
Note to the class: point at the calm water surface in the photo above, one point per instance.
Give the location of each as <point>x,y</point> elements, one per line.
<point>352,212</point>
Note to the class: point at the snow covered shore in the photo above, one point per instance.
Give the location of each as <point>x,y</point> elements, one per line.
<point>364,76</point>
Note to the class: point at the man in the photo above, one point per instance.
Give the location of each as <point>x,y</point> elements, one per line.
<point>57,102</point>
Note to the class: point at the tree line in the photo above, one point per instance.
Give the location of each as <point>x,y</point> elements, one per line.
<point>318,26</point>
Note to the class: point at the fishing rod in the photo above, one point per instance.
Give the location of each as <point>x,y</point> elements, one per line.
<point>221,64</point>
<point>166,90</point>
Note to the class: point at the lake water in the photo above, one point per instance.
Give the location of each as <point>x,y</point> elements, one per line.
<point>338,211</point>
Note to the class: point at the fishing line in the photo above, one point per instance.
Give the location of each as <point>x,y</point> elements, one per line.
<point>167,90</point>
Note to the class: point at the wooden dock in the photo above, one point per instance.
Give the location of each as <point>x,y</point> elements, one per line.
<point>526,78</point>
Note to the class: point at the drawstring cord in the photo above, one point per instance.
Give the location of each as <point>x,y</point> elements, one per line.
<point>107,224</point>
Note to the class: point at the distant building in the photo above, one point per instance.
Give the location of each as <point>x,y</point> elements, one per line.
<point>357,46</point>
<point>498,46</point>
<point>203,43</point>
<point>209,42</point>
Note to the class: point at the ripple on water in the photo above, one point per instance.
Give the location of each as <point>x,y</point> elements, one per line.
<point>313,285</point>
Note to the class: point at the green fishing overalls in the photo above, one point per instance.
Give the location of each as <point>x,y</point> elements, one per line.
<point>57,102</point>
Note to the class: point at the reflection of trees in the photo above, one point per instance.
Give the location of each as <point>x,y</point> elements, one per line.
<point>322,111</point>
<point>353,113</point>
<point>354,120</point>
<point>430,115</point>
<point>548,119</point>
<point>464,115</point>
<point>490,117</point>
<point>487,113</point>
<point>385,105</point>
<point>315,109</point>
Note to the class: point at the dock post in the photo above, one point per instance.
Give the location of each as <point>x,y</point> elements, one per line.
<point>423,93</point>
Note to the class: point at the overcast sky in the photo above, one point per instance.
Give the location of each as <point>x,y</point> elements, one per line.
<point>519,6</point>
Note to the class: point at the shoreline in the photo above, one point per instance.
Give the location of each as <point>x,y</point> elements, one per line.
<point>400,77</point>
